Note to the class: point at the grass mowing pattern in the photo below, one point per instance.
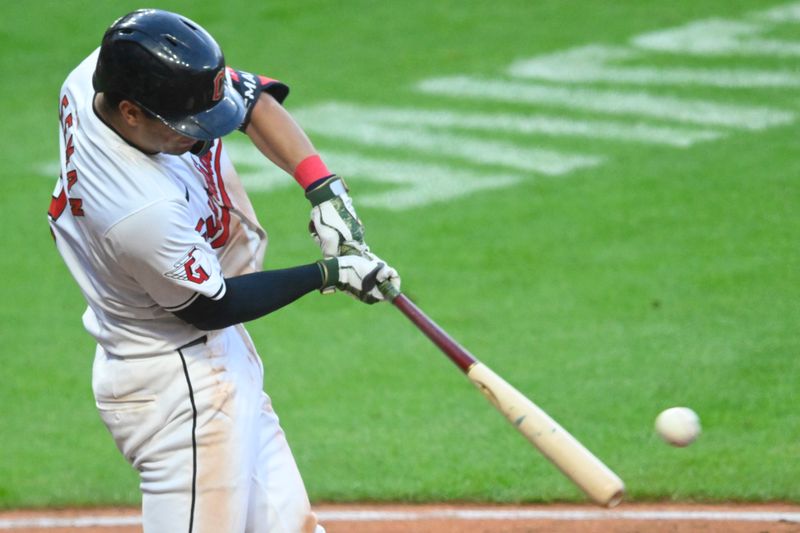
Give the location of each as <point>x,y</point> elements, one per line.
<point>661,277</point>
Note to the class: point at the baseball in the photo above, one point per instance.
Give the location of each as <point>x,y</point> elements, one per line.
<point>679,426</point>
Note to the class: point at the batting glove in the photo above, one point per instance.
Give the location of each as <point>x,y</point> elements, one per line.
<point>358,276</point>
<point>334,224</point>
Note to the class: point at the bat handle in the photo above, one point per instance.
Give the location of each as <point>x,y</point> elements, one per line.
<point>452,349</point>
<point>389,291</point>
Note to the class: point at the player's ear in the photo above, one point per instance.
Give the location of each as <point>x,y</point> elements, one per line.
<point>131,113</point>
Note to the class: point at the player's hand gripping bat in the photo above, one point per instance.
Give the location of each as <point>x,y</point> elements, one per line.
<point>579,464</point>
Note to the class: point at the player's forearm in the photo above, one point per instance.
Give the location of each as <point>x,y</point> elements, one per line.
<point>252,296</point>
<point>276,134</point>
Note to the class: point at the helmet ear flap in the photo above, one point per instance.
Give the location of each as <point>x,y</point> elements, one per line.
<point>201,148</point>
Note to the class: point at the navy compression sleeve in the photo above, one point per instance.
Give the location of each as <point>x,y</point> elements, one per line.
<point>251,296</point>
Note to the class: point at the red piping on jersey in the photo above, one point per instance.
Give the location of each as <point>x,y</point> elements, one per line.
<point>218,171</point>
<point>226,201</point>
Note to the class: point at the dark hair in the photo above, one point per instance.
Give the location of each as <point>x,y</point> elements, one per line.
<point>112,99</point>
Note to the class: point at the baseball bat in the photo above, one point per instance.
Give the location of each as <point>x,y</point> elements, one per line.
<point>580,465</point>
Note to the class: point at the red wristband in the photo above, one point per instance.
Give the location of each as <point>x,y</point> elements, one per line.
<point>310,170</point>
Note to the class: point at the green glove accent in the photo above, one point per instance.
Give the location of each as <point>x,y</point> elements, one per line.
<point>330,188</point>
<point>335,226</point>
<point>329,268</point>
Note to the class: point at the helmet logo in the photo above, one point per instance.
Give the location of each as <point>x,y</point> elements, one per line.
<point>219,85</point>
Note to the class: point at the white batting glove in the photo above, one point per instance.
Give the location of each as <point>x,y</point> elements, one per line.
<point>334,224</point>
<point>358,276</point>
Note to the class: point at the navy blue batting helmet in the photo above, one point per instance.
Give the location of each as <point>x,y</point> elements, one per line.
<point>174,69</point>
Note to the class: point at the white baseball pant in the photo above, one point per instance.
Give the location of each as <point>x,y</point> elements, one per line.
<point>210,452</point>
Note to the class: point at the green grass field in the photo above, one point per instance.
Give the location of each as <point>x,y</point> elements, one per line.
<point>654,263</point>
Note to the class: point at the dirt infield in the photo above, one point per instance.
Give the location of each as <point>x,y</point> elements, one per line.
<point>627,518</point>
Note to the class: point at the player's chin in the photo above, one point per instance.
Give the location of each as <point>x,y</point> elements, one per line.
<point>178,147</point>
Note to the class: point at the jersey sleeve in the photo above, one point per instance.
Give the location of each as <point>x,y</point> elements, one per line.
<point>250,86</point>
<point>166,257</point>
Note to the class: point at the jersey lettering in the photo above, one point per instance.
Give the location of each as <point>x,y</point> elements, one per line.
<point>64,105</point>
<point>70,149</point>
<point>215,229</point>
<point>72,178</point>
<point>76,206</point>
<point>68,122</point>
<point>59,200</point>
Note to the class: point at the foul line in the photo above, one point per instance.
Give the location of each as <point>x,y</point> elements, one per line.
<point>443,514</point>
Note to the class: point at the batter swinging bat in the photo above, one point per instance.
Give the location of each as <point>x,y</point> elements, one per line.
<point>579,464</point>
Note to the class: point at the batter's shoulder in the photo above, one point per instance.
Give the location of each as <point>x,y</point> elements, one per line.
<point>151,226</point>
<point>112,187</point>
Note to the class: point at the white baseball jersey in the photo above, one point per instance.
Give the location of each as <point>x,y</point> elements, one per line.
<point>142,234</point>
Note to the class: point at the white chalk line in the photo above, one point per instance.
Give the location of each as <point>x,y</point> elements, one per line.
<point>77,522</point>
<point>341,115</point>
<point>444,514</point>
<point>640,103</point>
<point>594,62</point>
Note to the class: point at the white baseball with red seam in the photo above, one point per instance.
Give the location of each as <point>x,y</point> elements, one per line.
<point>679,426</point>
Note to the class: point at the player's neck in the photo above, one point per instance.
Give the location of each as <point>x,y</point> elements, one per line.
<point>114,121</point>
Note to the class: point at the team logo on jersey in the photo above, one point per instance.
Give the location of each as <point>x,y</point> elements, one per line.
<point>190,267</point>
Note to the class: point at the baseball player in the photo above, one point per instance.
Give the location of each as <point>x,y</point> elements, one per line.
<point>154,225</point>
